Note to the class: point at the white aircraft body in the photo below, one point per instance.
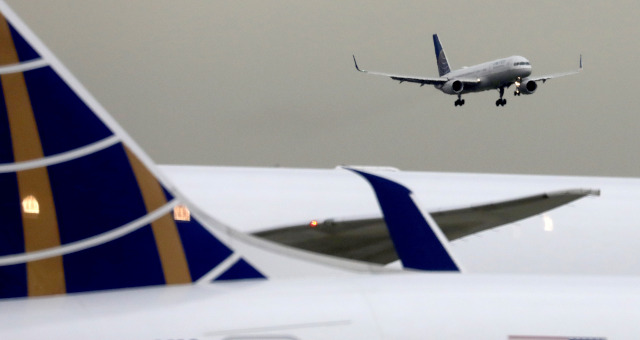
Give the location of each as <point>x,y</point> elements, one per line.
<point>396,306</point>
<point>493,75</point>
<point>96,243</point>
<point>589,236</point>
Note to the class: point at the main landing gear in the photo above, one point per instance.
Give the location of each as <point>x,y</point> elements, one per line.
<point>459,102</point>
<point>501,101</point>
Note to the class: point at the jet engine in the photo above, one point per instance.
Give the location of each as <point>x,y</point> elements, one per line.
<point>527,86</point>
<point>453,87</point>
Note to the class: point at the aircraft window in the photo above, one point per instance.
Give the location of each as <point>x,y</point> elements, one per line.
<point>181,213</point>
<point>30,205</point>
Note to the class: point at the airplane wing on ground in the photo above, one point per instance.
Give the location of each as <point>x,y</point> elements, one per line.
<point>367,239</point>
<point>557,75</point>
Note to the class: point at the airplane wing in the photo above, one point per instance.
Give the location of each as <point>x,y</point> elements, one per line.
<point>367,239</point>
<point>410,79</point>
<point>557,75</point>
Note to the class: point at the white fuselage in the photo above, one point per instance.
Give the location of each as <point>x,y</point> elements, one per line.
<point>594,236</point>
<point>392,306</point>
<point>591,236</point>
<point>492,74</point>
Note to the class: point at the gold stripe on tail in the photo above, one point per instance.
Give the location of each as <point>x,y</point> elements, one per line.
<point>39,221</point>
<point>170,249</point>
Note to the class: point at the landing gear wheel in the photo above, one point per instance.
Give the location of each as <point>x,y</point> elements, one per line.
<point>459,102</point>
<point>501,102</point>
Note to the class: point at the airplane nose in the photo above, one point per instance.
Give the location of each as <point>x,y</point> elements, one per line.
<point>525,71</point>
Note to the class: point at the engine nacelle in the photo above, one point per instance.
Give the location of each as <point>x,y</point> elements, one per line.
<point>527,86</point>
<point>453,87</point>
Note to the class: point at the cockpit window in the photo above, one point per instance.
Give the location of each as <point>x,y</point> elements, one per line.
<point>521,63</point>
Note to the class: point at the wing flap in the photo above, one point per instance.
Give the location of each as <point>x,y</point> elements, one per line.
<point>367,239</point>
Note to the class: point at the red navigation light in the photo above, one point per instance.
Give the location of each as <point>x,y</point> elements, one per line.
<point>313,223</point>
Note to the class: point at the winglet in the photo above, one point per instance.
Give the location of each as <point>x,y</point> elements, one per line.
<point>356,63</point>
<point>580,62</point>
<point>418,241</point>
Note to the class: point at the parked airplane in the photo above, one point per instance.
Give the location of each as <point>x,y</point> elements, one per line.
<point>497,74</point>
<point>87,217</point>
<point>586,236</point>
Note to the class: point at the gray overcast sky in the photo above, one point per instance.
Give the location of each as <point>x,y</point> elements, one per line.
<point>264,83</point>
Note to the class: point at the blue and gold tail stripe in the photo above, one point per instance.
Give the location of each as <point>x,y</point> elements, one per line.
<point>80,211</point>
<point>165,232</point>
<point>24,51</point>
<point>62,119</point>
<point>40,232</point>
<point>162,251</point>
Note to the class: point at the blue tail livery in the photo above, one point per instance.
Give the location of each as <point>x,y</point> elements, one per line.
<point>441,58</point>
<point>417,239</point>
<point>81,210</point>
<point>84,208</point>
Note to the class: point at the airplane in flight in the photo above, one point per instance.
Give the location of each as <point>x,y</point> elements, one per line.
<point>497,74</point>
<point>96,242</point>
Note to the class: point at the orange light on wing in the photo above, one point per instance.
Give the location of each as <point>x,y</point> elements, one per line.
<point>313,223</point>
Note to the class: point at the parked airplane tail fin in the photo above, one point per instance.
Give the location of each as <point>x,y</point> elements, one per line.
<point>85,209</point>
<point>441,58</point>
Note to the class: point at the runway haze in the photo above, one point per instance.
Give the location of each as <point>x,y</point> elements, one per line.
<point>257,83</point>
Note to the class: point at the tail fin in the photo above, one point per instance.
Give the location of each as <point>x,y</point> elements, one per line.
<point>418,241</point>
<point>441,58</point>
<point>85,209</point>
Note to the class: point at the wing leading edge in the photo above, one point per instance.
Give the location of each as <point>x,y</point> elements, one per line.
<point>558,75</point>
